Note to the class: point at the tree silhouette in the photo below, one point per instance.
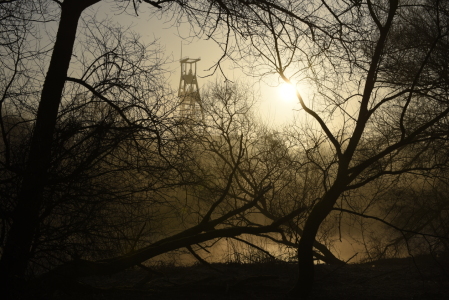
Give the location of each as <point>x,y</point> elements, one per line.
<point>380,68</point>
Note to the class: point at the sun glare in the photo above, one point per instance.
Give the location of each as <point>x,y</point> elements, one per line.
<point>287,92</point>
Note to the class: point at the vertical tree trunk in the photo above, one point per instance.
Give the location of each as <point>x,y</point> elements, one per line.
<point>25,218</point>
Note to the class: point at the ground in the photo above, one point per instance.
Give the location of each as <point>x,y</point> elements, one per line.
<point>412,278</point>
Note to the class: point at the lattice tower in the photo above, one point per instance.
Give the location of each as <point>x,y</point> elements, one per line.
<point>190,107</point>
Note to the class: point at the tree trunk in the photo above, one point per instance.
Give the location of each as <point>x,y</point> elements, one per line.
<point>16,254</point>
<point>305,246</point>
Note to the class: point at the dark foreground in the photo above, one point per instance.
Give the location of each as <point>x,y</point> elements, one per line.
<point>421,278</point>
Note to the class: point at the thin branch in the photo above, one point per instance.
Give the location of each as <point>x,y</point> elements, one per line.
<point>389,224</point>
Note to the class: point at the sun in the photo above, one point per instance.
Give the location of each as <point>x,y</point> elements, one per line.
<point>287,92</point>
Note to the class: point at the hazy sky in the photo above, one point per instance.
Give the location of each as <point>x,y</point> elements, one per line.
<point>274,108</point>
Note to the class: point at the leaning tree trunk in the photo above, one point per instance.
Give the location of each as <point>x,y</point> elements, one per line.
<point>324,207</point>
<point>305,247</point>
<point>16,254</point>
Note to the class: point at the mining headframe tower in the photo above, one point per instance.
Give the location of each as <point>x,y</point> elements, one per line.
<point>190,106</point>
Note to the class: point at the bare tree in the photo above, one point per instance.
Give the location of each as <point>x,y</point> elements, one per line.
<point>380,73</point>
<point>350,50</point>
<point>352,53</point>
<point>68,154</point>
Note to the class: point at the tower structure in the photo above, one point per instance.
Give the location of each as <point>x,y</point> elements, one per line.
<point>190,107</point>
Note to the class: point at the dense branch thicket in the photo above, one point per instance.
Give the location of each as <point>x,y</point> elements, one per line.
<point>98,174</point>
